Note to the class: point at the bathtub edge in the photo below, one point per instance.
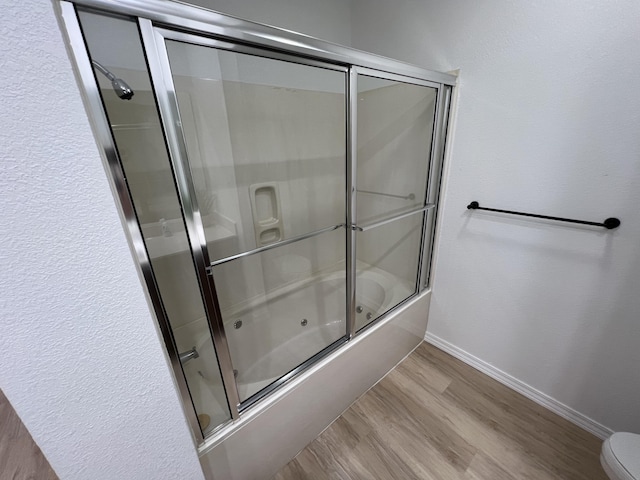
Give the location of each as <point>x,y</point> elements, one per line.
<point>272,433</point>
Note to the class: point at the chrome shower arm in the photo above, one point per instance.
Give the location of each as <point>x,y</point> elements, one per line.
<point>122,89</point>
<point>103,70</point>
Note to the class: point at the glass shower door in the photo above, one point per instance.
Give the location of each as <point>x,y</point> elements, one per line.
<point>144,170</point>
<point>277,204</point>
<point>264,138</point>
<point>395,123</point>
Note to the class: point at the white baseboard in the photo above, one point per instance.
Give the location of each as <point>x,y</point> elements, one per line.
<point>537,396</point>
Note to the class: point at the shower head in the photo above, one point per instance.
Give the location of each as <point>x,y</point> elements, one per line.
<point>122,89</point>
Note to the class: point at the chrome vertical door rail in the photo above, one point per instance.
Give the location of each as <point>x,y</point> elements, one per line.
<point>435,177</point>
<point>428,216</point>
<point>117,180</point>
<point>352,158</point>
<point>164,88</point>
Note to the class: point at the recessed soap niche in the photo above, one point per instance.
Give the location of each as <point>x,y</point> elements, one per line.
<point>267,213</point>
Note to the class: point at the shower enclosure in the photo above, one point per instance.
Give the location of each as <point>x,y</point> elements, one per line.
<point>280,192</point>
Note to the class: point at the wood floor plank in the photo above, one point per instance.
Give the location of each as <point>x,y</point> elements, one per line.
<point>20,457</point>
<point>483,466</point>
<point>550,440</point>
<point>434,417</point>
<point>425,374</point>
<point>435,431</point>
<point>556,442</point>
<point>412,447</point>
<point>494,444</point>
<point>312,465</point>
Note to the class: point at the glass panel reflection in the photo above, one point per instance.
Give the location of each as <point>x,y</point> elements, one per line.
<point>386,267</point>
<point>115,44</point>
<point>395,122</point>
<point>266,145</point>
<point>282,306</point>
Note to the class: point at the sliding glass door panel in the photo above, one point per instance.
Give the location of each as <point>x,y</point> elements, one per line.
<point>266,143</point>
<point>142,154</point>
<point>394,135</point>
<point>386,267</point>
<point>279,199</point>
<point>281,307</point>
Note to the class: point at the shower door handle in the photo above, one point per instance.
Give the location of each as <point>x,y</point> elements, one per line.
<point>364,228</point>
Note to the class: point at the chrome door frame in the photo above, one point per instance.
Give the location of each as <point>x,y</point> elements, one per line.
<point>395,77</point>
<point>180,21</point>
<point>436,163</point>
<point>198,20</point>
<point>160,73</point>
<point>434,172</point>
<point>352,164</point>
<point>167,33</point>
<point>154,42</point>
<point>117,180</point>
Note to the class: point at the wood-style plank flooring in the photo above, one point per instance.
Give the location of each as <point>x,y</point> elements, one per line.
<point>20,457</point>
<point>434,417</point>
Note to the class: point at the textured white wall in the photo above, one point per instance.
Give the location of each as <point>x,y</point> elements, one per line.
<point>548,122</point>
<point>329,19</point>
<point>80,359</point>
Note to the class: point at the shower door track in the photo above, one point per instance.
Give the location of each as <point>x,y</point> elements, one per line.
<point>207,22</point>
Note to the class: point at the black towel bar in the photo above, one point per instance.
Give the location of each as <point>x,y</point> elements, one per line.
<point>609,223</point>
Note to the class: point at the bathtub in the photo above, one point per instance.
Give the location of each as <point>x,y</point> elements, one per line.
<point>271,335</point>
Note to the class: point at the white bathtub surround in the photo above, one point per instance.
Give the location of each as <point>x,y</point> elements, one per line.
<point>548,123</point>
<point>296,414</point>
<point>270,335</point>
